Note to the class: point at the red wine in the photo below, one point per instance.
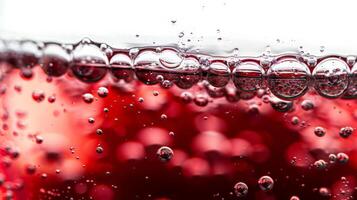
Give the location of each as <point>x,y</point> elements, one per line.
<point>89,121</point>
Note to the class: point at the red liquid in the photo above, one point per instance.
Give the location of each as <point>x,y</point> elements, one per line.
<point>60,142</point>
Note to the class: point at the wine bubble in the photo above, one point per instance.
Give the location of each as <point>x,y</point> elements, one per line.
<point>288,78</point>
<point>165,153</point>
<point>266,183</point>
<point>240,189</point>
<point>331,77</point>
<point>248,76</point>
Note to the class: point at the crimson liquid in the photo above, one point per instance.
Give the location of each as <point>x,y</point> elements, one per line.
<point>88,121</point>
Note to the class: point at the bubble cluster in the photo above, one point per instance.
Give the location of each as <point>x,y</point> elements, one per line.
<point>287,77</point>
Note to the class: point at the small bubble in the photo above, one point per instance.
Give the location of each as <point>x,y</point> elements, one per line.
<point>91,120</point>
<point>165,153</point>
<point>201,100</point>
<point>39,139</point>
<point>102,91</point>
<point>345,132</point>
<point>58,171</point>
<point>186,97</point>
<point>181,34</point>
<point>320,164</point>
<point>87,97</point>
<point>141,100</point>
<point>38,95</point>
<point>51,99</point>
<point>31,169</point>
<point>342,158</point>
<point>241,189</point>
<point>324,192</point>
<point>266,183</point>
<point>295,120</point>
<point>294,198</point>
<point>43,175</point>
<point>99,131</point>
<point>155,93</point>
<point>171,133</point>
<point>99,149</point>
<point>332,158</point>
<point>307,105</point>
<point>163,117</point>
<point>319,131</point>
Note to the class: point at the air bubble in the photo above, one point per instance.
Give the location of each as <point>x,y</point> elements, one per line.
<point>102,92</point>
<point>320,164</point>
<point>55,60</point>
<point>331,77</point>
<point>38,95</point>
<point>294,198</point>
<point>146,65</point>
<point>89,62</point>
<point>288,79</point>
<point>170,58</point>
<point>88,98</point>
<point>99,150</point>
<point>186,97</point>
<point>266,183</point>
<point>190,73</point>
<point>165,153</point>
<point>319,131</point>
<point>248,76</point>
<point>342,158</point>
<point>218,74</point>
<point>122,67</point>
<point>201,100</point>
<point>345,132</point>
<point>307,105</point>
<point>351,91</point>
<point>281,105</point>
<point>240,189</point>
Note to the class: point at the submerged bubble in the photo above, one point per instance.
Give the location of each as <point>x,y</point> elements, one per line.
<point>331,77</point>
<point>248,76</point>
<point>165,153</point>
<point>201,100</point>
<point>288,79</point>
<point>320,164</point>
<point>342,158</point>
<point>88,98</point>
<point>319,131</point>
<point>102,91</point>
<point>345,132</point>
<point>266,183</point>
<point>307,105</point>
<point>240,189</point>
<point>281,105</point>
<point>38,95</point>
<point>332,158</point>
<point>99,150</point>
<point>294,198</point>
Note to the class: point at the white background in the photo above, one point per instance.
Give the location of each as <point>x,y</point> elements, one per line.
<point>249,25</point>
